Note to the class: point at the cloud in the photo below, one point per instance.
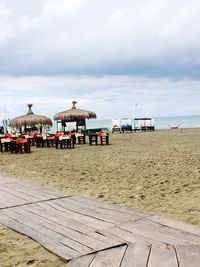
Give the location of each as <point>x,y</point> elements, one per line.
<point>57,8</point>
<point>107,55</point>
<point>108,96</point>
<point>86,37</point>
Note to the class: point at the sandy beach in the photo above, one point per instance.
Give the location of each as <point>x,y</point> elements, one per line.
<point>150,171</point>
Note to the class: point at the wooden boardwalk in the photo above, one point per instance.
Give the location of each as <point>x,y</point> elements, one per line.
<point>85,232</point>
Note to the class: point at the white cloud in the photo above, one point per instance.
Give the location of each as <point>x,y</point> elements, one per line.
<point>5,25</point>
<point>108,96</point>
<point>108,55</point>
<point>56,8</point>
<point>117,16</point>
<point>87,36</point>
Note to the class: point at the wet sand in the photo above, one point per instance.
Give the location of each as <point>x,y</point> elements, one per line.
<point>156,171</point>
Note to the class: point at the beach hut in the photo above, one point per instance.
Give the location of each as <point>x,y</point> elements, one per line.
<point>30,121</point>
<point>78,116</point>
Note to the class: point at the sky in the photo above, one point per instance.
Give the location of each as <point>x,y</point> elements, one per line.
<point>117,58</point>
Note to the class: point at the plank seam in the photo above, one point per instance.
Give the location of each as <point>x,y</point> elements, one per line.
<point>123,256</point>
<point>153,240</point>
<point>176,256</point>
<point>90,216</point>
<point>21,188</point>
<point>21,198</point>
<point>120,239</point>
<point>150,247</point>
<point>102,210</point>
<point>122,212</point>
<point>29,203</point>
<point>174,228</point>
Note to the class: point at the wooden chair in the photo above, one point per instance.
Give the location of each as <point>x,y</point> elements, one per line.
<point>104,139</point>
<point>51,141</point>
<point>4,146</point>
<point>65,141</point>
<point>40,142</point>
<point>22,146</point>
<point>93,139</point>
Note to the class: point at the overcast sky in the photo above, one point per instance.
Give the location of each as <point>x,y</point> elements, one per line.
<point>108,55</point>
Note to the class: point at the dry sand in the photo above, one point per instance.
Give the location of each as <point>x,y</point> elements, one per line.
<point>156,171</point>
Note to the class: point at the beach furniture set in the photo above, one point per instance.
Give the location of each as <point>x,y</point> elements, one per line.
<point>99,136</point>
<point>144,124</point>
<point>127,125</point>
<point>122,125</point>
<point>31,130</point>
<point>14,144</point>
<point>68,140</point>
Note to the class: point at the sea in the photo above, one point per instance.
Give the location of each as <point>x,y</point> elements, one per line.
<point>192,121</point>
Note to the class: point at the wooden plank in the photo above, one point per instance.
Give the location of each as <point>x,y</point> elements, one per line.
<point>192,229</point>
<point>56,215</point>
<point>136,256</point>
<point>162,256</point>
<point>79,217</point>
<point>109,257</point>
<point>126,236</point>
<point>78,236</point>
<point>36,190</point>
<point>108,239</point>
<point>95,242</point>
<point>113,216</point>
<point>158,232</point>
<point>188,256</point>
<point>9,200</point>
<point>83,261</point>
<point>5,179</point>
<point>50,229</point>
<point>27,191</point>
<point>18,194</point>
<point>81,210</point>
<point>108,206</point>
<point>50,244</point>
<point>43,230</point>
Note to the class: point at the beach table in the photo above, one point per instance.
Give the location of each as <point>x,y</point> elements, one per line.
<point>65,141</point>
<point>93,139</point>
<point>81,138</point>
<point>5,144</point>
<point>15,145</point>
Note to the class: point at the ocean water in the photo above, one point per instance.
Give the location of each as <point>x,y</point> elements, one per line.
<point>159,122</point>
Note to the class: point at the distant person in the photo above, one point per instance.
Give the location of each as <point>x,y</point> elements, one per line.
<point>1,130</point>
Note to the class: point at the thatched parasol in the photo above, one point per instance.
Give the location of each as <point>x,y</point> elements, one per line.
<point>30,119</point>
<point>74,114</point>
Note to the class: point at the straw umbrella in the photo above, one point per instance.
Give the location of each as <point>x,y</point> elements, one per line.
<point>30,120</point>
<point>74,115</point>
